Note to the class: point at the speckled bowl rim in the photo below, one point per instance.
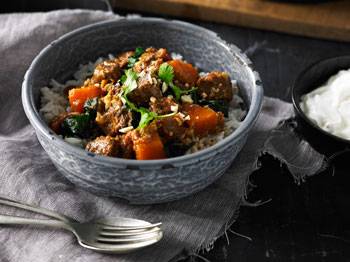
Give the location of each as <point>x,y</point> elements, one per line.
<point>296,97</point>
<point>40,126</point>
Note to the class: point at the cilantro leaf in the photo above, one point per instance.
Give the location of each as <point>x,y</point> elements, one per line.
<point>129,104</point>
<point>166,73</point>
<point>134,58</point>
<point>178,92</point>
<point>146,117</point>
<point>131,61</point>
<point>130,82</point>
<point>122,79</point>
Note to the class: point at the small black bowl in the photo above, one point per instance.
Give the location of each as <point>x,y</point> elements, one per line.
<point>310,79</point>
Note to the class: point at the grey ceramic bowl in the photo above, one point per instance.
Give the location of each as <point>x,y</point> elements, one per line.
<point>150,181</point>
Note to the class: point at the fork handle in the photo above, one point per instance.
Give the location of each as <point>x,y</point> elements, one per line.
<point>43,211</point>
<point>13,220</point>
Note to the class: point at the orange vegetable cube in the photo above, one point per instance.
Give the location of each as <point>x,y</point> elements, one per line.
<point>78,96</point>
<point>184,72</point>
<point>149,146</point>
<point>203,120</point>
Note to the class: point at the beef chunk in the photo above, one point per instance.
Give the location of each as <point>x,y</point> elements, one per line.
<point>115,118</point>
<point>127,146</point>
<point>147,67</point>
<point>163,105</point>
<point>215,86</point>
<point>171,128</point>
<point>147,87</point>
<point>104,145</point>
<point>108,70</point>
<point>152,58</point>
<point>123,58</point>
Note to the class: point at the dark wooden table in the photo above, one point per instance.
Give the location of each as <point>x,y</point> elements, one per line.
<point>307,222</point>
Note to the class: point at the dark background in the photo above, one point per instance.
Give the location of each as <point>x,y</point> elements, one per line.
<point>306,222</point>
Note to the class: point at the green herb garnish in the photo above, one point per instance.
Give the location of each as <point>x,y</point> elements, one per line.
<point>146,117</point>
<point>130,82</point>
<point>178,92</point>
<point>134,58</point>
<point>122,79</point>
<point>166,74</point>
<point>129,85</point>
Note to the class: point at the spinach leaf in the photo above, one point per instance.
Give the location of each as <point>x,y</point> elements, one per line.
<point>216,105</point>
<point>77,125</point>
<point>81,125</point>
<point>175,148</point>
<point>91,104</point>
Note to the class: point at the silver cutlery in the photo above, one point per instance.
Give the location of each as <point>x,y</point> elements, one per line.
<point>112,235</point>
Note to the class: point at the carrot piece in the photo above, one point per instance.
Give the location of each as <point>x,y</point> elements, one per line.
<point>184,72</point>
<point>78,96</point>
<point>203,120</point>
<point>149,146</point>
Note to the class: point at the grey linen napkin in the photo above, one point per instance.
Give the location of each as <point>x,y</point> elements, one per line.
<point>26,172</point>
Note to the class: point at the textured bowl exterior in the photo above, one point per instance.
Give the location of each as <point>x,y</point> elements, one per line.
<point>152,181</point>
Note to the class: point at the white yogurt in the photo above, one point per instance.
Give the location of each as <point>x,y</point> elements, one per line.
<point>329,105</point>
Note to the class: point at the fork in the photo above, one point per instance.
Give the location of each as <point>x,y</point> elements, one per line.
<point>114,235</point>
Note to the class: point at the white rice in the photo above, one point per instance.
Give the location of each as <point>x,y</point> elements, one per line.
<point>54,102</point>
<point>176,56</point>
<point>75,141</point>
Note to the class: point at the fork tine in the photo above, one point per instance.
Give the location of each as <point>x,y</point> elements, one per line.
<point>104,233</point>
<point>142,237</point>
<point>111,247</point>
<point>129,228</point>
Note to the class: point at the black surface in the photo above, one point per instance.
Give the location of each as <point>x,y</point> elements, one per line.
<point>307,222</point>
